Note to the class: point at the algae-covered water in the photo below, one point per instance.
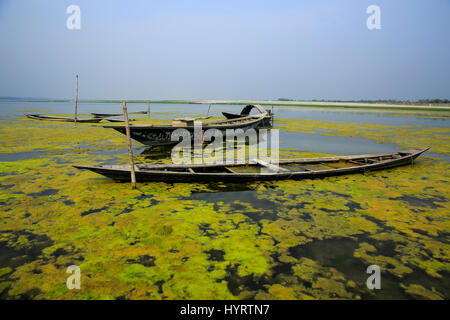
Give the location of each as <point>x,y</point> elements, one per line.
<point>309,239</point>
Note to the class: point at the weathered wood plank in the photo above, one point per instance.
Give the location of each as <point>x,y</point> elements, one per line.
<point>270,166</point>
<point>229,170</point>
<point>76,99</point>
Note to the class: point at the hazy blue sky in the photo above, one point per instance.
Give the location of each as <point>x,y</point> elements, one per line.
<point>231,49</point>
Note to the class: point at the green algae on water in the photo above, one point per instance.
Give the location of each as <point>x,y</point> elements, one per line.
<point>215,241</point>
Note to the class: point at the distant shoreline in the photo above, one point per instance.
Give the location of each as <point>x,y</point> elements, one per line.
<point>313,104</point>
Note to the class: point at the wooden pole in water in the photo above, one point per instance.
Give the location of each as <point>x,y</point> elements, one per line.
<point>76,99</point>
<point>148,108</point>
<point>272,117</point>
<point>130,151</point>
<point>207,114</point>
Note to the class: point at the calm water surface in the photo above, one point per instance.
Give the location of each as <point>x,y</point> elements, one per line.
<point>314,142</point>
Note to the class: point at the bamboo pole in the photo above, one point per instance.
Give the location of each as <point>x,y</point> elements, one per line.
<point>272,117</point>
<point>76,99</point>
<point>130,151</point>
<point>207,114</point>
<point>148,108</point>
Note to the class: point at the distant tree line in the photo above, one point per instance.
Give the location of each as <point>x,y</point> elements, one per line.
<point>434,101</point>
<point>387,101</point>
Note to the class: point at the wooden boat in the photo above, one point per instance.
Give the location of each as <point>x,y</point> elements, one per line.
<point>64,119</point>
<point>117,120</point>
<point>252,171</point>
<point>246,112</point>
<point>153,135</point>
<point>105,115</point>
<point>67,119</point>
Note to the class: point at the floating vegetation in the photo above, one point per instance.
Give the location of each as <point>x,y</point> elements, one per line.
<point>309,239</point>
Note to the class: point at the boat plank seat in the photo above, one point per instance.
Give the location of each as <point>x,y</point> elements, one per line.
<point>190,170</point>
<point>229,170</point>
<point>270,166</point>
<point>356,162</point>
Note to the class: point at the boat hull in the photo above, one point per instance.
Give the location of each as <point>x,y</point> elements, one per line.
<point>106,115</point>
<point>266,123</point>
<point>154,173</point>
<point>268,116</point>
<point>162,135</point>
<point>62,119</point>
